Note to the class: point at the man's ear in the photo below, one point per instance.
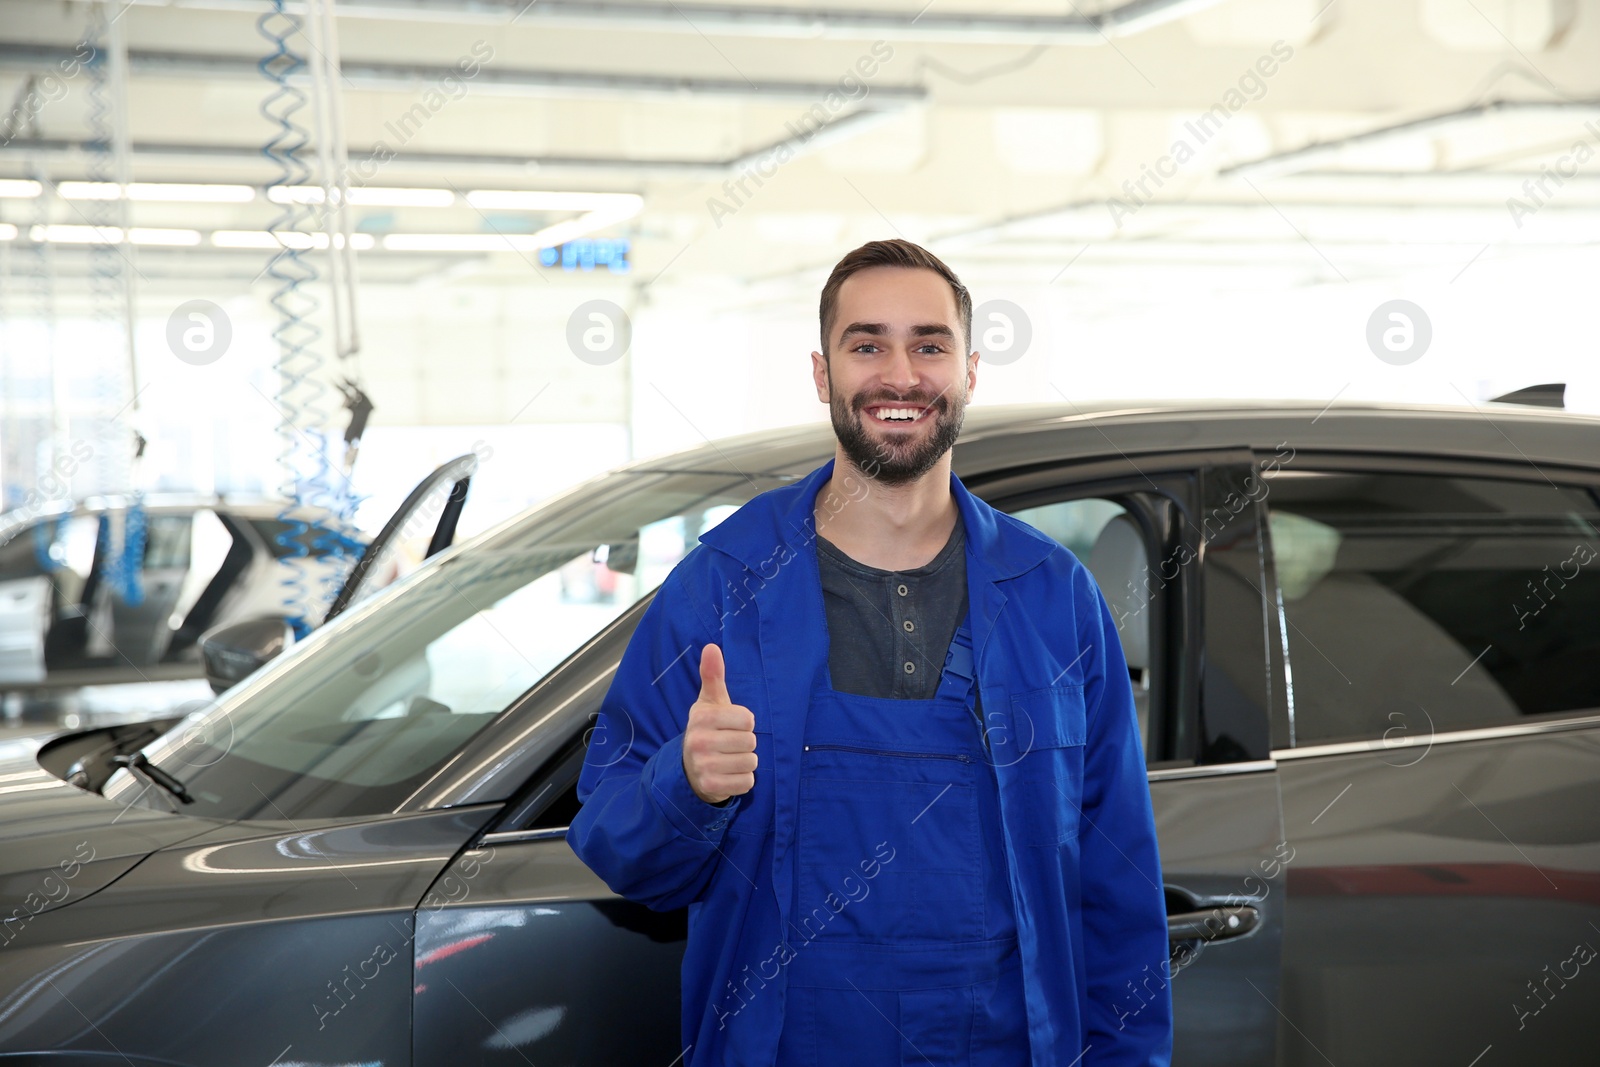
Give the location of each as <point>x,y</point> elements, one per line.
<point>819,375</point>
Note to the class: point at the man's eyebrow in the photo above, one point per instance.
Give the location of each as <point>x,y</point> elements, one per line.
<point>880,329</point>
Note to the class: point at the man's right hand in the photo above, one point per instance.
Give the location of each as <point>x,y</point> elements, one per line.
<point>719,744</point>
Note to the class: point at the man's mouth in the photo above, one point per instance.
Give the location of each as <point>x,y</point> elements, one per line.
<point>897,415</point>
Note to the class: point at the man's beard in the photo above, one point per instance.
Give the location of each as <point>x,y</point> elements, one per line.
<point>892,462</point>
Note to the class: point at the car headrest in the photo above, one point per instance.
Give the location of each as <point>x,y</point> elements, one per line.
<point>1120,567</point>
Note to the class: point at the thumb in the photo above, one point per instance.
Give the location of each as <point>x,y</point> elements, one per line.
<point>713,677</point>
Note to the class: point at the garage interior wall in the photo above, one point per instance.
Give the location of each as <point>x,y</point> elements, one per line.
<point>1214,205</point>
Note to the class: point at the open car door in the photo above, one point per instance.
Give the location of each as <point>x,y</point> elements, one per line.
<point>441,494</point>
<point>232,652</point>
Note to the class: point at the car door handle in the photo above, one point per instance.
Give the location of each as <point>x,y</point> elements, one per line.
<point>1213,924</point>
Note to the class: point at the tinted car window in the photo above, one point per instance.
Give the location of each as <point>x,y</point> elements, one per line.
<point>1417,604</point>
<point>20,551</point>
<point>380,700</point>
<point>315,540</point>
<point>166,544</point>
<point>1106,540</point>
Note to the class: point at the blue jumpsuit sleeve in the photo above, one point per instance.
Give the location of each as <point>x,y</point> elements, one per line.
<point>1128,1014</point>
<point>641,828</point>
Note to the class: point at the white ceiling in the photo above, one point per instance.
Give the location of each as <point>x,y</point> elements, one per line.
<point>1054,149</point>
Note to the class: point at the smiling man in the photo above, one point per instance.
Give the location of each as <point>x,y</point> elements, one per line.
<point>884,746</point>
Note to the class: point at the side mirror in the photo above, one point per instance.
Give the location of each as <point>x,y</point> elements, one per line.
<point>233,652</point>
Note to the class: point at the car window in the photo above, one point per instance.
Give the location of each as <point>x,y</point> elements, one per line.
<point>1417,604</point>
<point>285,540</point>
<point>378,701</point>
<point>1105,538</point>
<point>20,551</point>
<point>60,546</point>
<point>166,542</point>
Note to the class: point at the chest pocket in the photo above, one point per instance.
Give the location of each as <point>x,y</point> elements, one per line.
<point>1049,725</point>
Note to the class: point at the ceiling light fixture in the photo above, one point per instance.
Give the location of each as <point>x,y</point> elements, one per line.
<point>167,192</point>
<point>293,239</point>
<point>364,197</point>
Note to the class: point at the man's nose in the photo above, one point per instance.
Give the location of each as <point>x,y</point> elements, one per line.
<point>901,371</point>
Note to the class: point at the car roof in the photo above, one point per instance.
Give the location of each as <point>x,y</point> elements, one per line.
<point>996,436</point>
<point>165,504</point>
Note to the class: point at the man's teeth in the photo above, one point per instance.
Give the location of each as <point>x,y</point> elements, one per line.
<point>898,413</point>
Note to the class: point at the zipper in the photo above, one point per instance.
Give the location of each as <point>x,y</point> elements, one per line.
<point>881,752</point>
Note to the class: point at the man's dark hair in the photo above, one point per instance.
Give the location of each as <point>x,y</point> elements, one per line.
<point>895,252</point>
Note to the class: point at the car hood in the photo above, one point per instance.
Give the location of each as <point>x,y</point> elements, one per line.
<point>59,843</point>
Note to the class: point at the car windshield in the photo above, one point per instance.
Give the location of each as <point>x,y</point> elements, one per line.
<point>361,714</point>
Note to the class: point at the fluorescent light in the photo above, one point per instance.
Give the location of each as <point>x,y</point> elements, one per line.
<point>248,239</point>
<point>295,194</point>
<point>571,229</point>
<point>87,235</point>
<point>286,239</point>
<point>8,232</point>
<point>364,197</point>
<point>462,242</point>
<point>402,197</point>
<point>170,192</point>
<point>200,194</point>
<point>76,235</point>
<point>19,188</point>
<point>599,210</point>
<point>145,235</point>
<point>88,190</point>
<point>537,200</point>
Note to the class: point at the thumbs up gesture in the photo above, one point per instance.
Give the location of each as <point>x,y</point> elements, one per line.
<point>719,744</point>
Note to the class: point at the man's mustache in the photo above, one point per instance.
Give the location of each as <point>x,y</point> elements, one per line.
<point>937,402</point>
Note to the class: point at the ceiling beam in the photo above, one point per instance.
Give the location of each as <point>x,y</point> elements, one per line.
<point>367,162</point>
<point>489,79</point>
<point>965,27</point>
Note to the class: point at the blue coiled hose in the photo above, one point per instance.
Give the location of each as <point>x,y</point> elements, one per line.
<point>293,273</point>
<point>310,478</point>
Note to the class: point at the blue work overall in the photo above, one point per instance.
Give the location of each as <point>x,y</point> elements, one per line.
<point>903,930</point>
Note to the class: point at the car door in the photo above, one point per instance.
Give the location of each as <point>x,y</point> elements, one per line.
<point>432,508</point>
<point>24,604</point>
<point>256,942</point>
<point>233,650</point>
<point>141,616</point>
<point>1178,561</point>
<point>1441,762</point>
<point>523,953</point>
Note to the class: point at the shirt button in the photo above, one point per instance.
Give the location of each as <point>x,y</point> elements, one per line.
<point>910,667</point>
<point>902,590</point>
<point>909,625</point>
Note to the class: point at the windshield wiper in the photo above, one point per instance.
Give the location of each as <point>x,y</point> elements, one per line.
<point>141,763</point>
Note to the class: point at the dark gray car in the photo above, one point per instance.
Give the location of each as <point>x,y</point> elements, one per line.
<point>1365,643</point>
